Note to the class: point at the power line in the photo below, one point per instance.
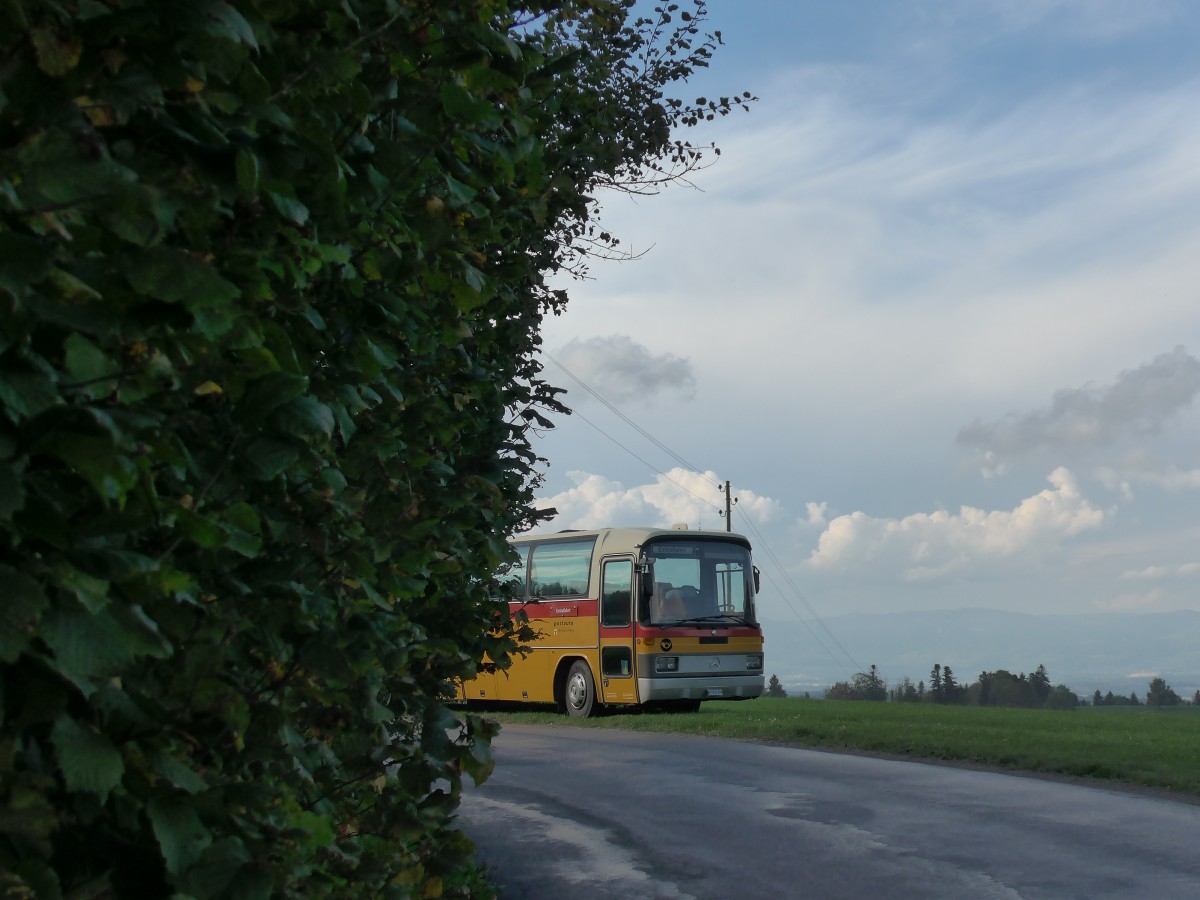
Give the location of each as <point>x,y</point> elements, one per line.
<point>683,487</point>
<point>760,539</point>
<point>805,622</point>
<point>628,421</point>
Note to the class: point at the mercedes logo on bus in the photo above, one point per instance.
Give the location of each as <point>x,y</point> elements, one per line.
<point>715,662</point>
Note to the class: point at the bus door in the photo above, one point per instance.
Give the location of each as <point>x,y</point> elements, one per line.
<point>618,681</point>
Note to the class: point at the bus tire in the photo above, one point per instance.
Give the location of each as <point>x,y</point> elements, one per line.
<point>579,693</point>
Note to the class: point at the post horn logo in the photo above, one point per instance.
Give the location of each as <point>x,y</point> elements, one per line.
<point>665,645</point>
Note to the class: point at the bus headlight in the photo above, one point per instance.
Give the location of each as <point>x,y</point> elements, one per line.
<point>666,664</point>
<point>754,661</point>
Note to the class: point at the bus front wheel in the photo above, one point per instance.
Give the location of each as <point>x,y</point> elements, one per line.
<point>580,693</point>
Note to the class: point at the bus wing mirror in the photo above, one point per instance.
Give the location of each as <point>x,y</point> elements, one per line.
<point>756,579</point>
<point>646,570</point>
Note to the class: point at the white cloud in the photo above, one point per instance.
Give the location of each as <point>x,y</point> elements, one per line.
<point>931,546</point>
<point>677,496</point>
<point>816,513</point>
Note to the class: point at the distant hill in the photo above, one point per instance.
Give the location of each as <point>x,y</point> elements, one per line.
<point>1117,652</point>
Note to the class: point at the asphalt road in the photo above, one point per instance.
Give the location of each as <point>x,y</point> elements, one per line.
<point>586,813</point>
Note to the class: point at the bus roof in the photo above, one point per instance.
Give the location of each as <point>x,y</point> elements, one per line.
<point>633,537</point>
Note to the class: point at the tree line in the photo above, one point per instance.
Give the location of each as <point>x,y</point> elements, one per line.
<point>999,688</point>
<point>1159,694</point>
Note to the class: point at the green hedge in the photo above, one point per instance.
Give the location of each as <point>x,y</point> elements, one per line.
<point>271,276</point>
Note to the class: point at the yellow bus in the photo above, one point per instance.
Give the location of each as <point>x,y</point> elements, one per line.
<point>631,616</point>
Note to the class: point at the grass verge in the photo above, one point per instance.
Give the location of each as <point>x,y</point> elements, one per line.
<point>1154,748</point>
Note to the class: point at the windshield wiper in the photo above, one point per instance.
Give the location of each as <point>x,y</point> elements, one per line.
<point>735,618</point>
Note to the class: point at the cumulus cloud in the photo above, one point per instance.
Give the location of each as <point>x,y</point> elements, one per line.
<point>1140,402</point>
<point>678,495</point>
<point>816,513</point>
<point>619,369</point>
<point>930,546</point>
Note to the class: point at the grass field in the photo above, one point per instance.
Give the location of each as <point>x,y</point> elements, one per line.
<point>1156,748</point>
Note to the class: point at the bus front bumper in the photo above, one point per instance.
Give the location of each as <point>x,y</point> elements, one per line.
<point>730,687</point>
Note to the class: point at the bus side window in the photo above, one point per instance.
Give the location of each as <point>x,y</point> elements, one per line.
<point>514,575</point>
<point>616,598</point>
<point>560,568</point>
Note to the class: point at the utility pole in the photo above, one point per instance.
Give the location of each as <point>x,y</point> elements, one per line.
<point>729,501</point>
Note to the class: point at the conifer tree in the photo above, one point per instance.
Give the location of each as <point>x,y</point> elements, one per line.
<point>949,686</point>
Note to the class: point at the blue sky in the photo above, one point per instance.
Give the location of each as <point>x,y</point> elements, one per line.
<point>934,312</point>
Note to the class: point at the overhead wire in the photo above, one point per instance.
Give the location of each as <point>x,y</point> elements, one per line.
<point>632,424</point>
<point>760,539</point>
<point>682,487</point>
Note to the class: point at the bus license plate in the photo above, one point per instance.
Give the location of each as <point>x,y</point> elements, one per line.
<point>715,692</point>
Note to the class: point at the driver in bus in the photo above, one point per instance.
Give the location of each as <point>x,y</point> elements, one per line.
<point>667,603</point>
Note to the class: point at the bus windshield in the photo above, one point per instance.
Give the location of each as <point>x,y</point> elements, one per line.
<point>698,581</point>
